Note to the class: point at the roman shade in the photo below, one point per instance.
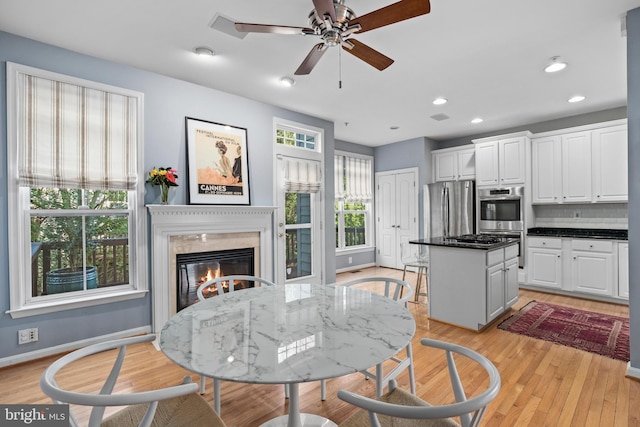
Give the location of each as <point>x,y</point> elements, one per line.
<point>302,176</point>
<point>352,179</point>
<point>74,136</point>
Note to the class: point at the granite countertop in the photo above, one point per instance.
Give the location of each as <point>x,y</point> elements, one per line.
<point>589,233</point>
<point>448,242</point>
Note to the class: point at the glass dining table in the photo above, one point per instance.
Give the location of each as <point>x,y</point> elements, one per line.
<point>287,334</point>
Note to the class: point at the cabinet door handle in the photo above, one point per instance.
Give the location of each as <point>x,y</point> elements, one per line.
<point>558,256</point>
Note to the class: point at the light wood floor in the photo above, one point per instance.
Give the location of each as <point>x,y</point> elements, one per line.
<point>543,384</point>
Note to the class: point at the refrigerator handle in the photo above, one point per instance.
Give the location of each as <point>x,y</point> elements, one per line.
<point>445,212</point>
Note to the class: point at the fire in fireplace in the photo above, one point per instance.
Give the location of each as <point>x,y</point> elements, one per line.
<point>195,269</point>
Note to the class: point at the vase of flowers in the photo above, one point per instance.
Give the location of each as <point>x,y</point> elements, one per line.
<point>165,178</point>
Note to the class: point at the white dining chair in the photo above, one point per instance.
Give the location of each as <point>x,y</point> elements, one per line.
<point>213,287</point>
<point>401,292</point>
<point>170,406</point>
<point>398,408</point>
<point>415,256</point>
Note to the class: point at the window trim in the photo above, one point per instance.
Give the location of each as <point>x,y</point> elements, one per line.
<point>19,207</point>
<point>369,225</point>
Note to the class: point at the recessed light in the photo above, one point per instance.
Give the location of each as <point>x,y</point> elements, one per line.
<point>477,120</point>
<point>203,51</point>
<point>555,65</point>
<point>287,81</point>
<point>439,101</point>
<point>577,98</point>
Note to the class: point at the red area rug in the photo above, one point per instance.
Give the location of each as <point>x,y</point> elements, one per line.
<point>585,330</point>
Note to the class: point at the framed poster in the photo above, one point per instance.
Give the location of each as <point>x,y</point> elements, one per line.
<point>218,169</point>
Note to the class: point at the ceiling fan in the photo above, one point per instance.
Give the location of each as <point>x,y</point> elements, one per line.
<point>334,22</point>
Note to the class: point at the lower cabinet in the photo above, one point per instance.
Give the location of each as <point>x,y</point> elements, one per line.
<point>502,286</point>
<point>472,287</point>
<point>592,267</point>
<point>623,270</point>
<point>545,261</point>
<point>583,266</point>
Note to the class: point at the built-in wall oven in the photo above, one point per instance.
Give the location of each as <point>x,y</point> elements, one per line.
<point>500,211</point>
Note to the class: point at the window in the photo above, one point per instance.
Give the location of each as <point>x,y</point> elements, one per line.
<point>353,182</point>
<point>74,196</point>
<point>296,138</point>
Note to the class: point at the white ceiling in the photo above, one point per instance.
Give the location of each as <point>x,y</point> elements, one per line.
<point>486,57</point>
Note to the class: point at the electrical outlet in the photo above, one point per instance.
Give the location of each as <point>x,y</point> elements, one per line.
<point>27,335</point>
<point>350,260</point>
<point>576,214</point>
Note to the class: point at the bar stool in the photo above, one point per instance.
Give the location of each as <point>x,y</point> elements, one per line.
<point>415,256</point>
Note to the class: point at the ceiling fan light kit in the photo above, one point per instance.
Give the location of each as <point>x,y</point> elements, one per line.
<point>335,23</point>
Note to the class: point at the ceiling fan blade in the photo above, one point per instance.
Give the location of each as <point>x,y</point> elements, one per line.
<point>312,59</point>
<point>325,7</point>
<point>272,29</point>
<point>396,12</point>
<point>367,54</point>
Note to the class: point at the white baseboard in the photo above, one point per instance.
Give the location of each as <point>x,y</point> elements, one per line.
<point>49,351</point>
<point>633,372</point>
<point>355,267</point>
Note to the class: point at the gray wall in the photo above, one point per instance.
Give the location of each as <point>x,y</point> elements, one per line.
<point>167,102</point>
<point>633,106</point>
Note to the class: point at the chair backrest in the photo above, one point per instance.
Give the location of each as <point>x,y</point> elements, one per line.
<point>227,284</point>
<point>411,253</point>
<point>396,289</point>
<point>104,398</point>
<point>470,410</point>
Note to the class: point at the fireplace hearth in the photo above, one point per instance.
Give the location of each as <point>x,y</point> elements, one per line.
<point>196,269</point>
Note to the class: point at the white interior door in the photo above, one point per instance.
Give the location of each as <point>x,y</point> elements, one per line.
<point>298,234</point>
<point>396,214</point>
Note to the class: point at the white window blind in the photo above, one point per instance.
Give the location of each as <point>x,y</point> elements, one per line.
<point>353,178</point>
<point>70,136</point>
<point>302,176</point>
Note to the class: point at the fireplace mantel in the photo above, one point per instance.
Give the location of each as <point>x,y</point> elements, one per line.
<point>168,221</point>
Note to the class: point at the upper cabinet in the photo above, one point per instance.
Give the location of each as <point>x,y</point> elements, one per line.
<point>501,161</point>
<point>580,167</point>
<point>454,164</point>
<point>610,157</point>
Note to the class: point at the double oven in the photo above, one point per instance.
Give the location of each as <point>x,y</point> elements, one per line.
<point>500,212</point>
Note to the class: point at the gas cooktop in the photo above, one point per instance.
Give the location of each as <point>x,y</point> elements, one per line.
<point>478,239</point>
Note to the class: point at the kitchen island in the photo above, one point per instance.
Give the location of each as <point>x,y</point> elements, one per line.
<point>471,283</point>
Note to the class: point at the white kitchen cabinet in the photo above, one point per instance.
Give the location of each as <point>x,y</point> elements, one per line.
<point>592,266</point>
<point>609,157</point>
<point>583,166</point>
<point>501,160</point>
<point>484,282</point>
<point>546,166</point>
<point>502,283</point>
<point>454,164</point>
<point>576,167</point>
<point>623,270</point>
<point>545,261</point>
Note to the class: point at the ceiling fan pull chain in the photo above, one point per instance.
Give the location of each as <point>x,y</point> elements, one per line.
<point>339,68</point>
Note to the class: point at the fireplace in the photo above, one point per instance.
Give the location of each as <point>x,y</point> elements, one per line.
<point>198,269</point>
<point>184,229</point>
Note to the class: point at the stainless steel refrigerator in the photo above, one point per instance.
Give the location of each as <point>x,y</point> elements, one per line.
<point>449,208</point>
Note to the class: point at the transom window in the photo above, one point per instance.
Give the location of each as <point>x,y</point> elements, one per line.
<point>353,200</point>
<point>296,138</point>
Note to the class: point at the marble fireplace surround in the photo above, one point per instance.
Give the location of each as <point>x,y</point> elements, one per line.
<point>196,228</point>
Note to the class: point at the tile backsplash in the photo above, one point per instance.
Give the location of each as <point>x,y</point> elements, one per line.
<point>606,215</point>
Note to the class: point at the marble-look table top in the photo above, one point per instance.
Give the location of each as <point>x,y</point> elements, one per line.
<point>287,333</point>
